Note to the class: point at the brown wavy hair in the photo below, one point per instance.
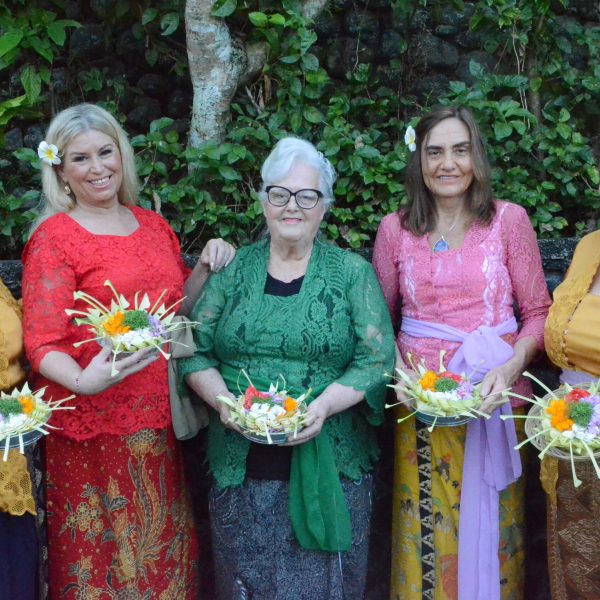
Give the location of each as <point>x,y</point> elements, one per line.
<point>419,215</point>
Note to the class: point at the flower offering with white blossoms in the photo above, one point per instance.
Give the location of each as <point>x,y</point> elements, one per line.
<point>24,417</point>
<point>267,417</point>
<point>565,423</point>
<point>438,397</point>
<point>126,328</point>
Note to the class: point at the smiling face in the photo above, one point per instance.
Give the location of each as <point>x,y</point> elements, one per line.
<point>93,169</point>
<point>446,161</point>
<point>291,224</point>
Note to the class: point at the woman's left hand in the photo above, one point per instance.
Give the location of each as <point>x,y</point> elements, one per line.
<point>492,386</point>
<point>503,377</point>
<point>498,380</point>
<point>217,254</point>
<point>318,410</point>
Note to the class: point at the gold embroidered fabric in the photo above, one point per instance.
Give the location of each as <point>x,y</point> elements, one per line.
<point>572,337</point>
<point>11,340</point>
<point>15,483</point>
<point>16,494</point>
<point>564,343</point>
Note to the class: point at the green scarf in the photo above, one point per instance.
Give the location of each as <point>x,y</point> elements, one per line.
<point>317,507</point>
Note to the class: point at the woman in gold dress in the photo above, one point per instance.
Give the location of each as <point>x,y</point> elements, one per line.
<point>18,536</point>
<point>572,339</point>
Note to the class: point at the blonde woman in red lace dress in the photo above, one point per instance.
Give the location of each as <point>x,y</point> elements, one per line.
<point>119,518</point>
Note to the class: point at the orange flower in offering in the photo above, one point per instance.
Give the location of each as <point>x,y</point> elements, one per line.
<point>27,403</point>
<point>290,404</point>
<point>559,415</point>
<point>114,324</point>
<point>427,382</point>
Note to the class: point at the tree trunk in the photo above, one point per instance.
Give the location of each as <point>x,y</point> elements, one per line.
<point>219,63</point>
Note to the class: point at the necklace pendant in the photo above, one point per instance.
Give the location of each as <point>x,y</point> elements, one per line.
<point>441,245</point>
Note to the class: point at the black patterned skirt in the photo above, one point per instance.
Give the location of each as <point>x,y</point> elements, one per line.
<point>256,555</point>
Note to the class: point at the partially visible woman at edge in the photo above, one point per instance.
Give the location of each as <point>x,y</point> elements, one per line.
<point>292,522</point>
<point>572,338</point>
<point>19,548</point>
<point>119,518</point>
<point>451,265</point>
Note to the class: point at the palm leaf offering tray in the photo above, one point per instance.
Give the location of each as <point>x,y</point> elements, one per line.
<point>24,417</point>
<point>438,398</point>
<point>126,328</point>
<point>565,423</point>
<point>268,417</point>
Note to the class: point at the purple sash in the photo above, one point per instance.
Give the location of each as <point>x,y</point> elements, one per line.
<point>490,463</point>
<point>575,378</point>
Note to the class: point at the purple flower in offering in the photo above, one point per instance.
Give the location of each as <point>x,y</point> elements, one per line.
<point>465,389</point>
<point>595,400</point>
<point>156,327</point>
<point>594,424</point>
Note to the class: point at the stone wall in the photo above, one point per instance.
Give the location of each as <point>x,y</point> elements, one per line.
<point>556,257</point>
<point>416,55</point>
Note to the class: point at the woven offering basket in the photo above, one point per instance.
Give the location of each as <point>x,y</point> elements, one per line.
<point>270,430</point>
<point>535,425</point>
<point>34,420</point>
<point>267,428</point>
<point>437,408</point>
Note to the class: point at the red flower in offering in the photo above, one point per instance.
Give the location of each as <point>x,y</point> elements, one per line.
<point>252,394</point>
<point>448,375</point>
<point>576,394</point>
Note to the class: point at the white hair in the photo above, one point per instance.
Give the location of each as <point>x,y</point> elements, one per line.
<point>287,153</point>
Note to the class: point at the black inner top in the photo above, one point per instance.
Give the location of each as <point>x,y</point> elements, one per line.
<point>267,461</point>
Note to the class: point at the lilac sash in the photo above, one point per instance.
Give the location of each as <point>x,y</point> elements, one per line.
<point>490,463</point>
<point>575,378</point>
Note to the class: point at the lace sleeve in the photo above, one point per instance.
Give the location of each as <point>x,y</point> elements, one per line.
<point>374,353</point>
<point>48,285</point>
<point>385,267</point>
<point>527,276</point>
<point>206,312</point>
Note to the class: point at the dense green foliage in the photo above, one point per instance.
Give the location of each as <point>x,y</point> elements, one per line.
<point>536,111</point>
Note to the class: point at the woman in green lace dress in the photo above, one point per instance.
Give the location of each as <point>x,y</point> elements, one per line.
<point>292,521</point>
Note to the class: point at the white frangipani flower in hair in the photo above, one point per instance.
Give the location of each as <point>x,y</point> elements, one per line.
<point>48,153</point>
<point>410,138</point>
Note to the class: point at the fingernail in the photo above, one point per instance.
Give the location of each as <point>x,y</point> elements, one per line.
<point>212,266</point>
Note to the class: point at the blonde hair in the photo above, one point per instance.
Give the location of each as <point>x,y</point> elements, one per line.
<point>66,126</point>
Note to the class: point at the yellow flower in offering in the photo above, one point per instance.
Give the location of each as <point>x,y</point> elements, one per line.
<point>427,382</point>
<point>114,324</point>
<point>27,403</point>
<point>559,415</point>
<point>290,404</point>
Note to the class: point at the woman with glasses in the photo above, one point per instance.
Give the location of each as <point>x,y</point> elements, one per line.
<point>292,521</point>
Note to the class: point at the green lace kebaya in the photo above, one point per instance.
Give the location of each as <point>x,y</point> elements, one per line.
<point>336,329</point>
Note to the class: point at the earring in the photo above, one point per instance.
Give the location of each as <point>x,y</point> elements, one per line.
<point>67,189</point>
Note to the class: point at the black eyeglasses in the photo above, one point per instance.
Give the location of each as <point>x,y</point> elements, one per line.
<point>280,196</point>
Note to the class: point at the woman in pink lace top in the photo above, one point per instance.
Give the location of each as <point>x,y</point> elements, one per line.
<point>456,257</point>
